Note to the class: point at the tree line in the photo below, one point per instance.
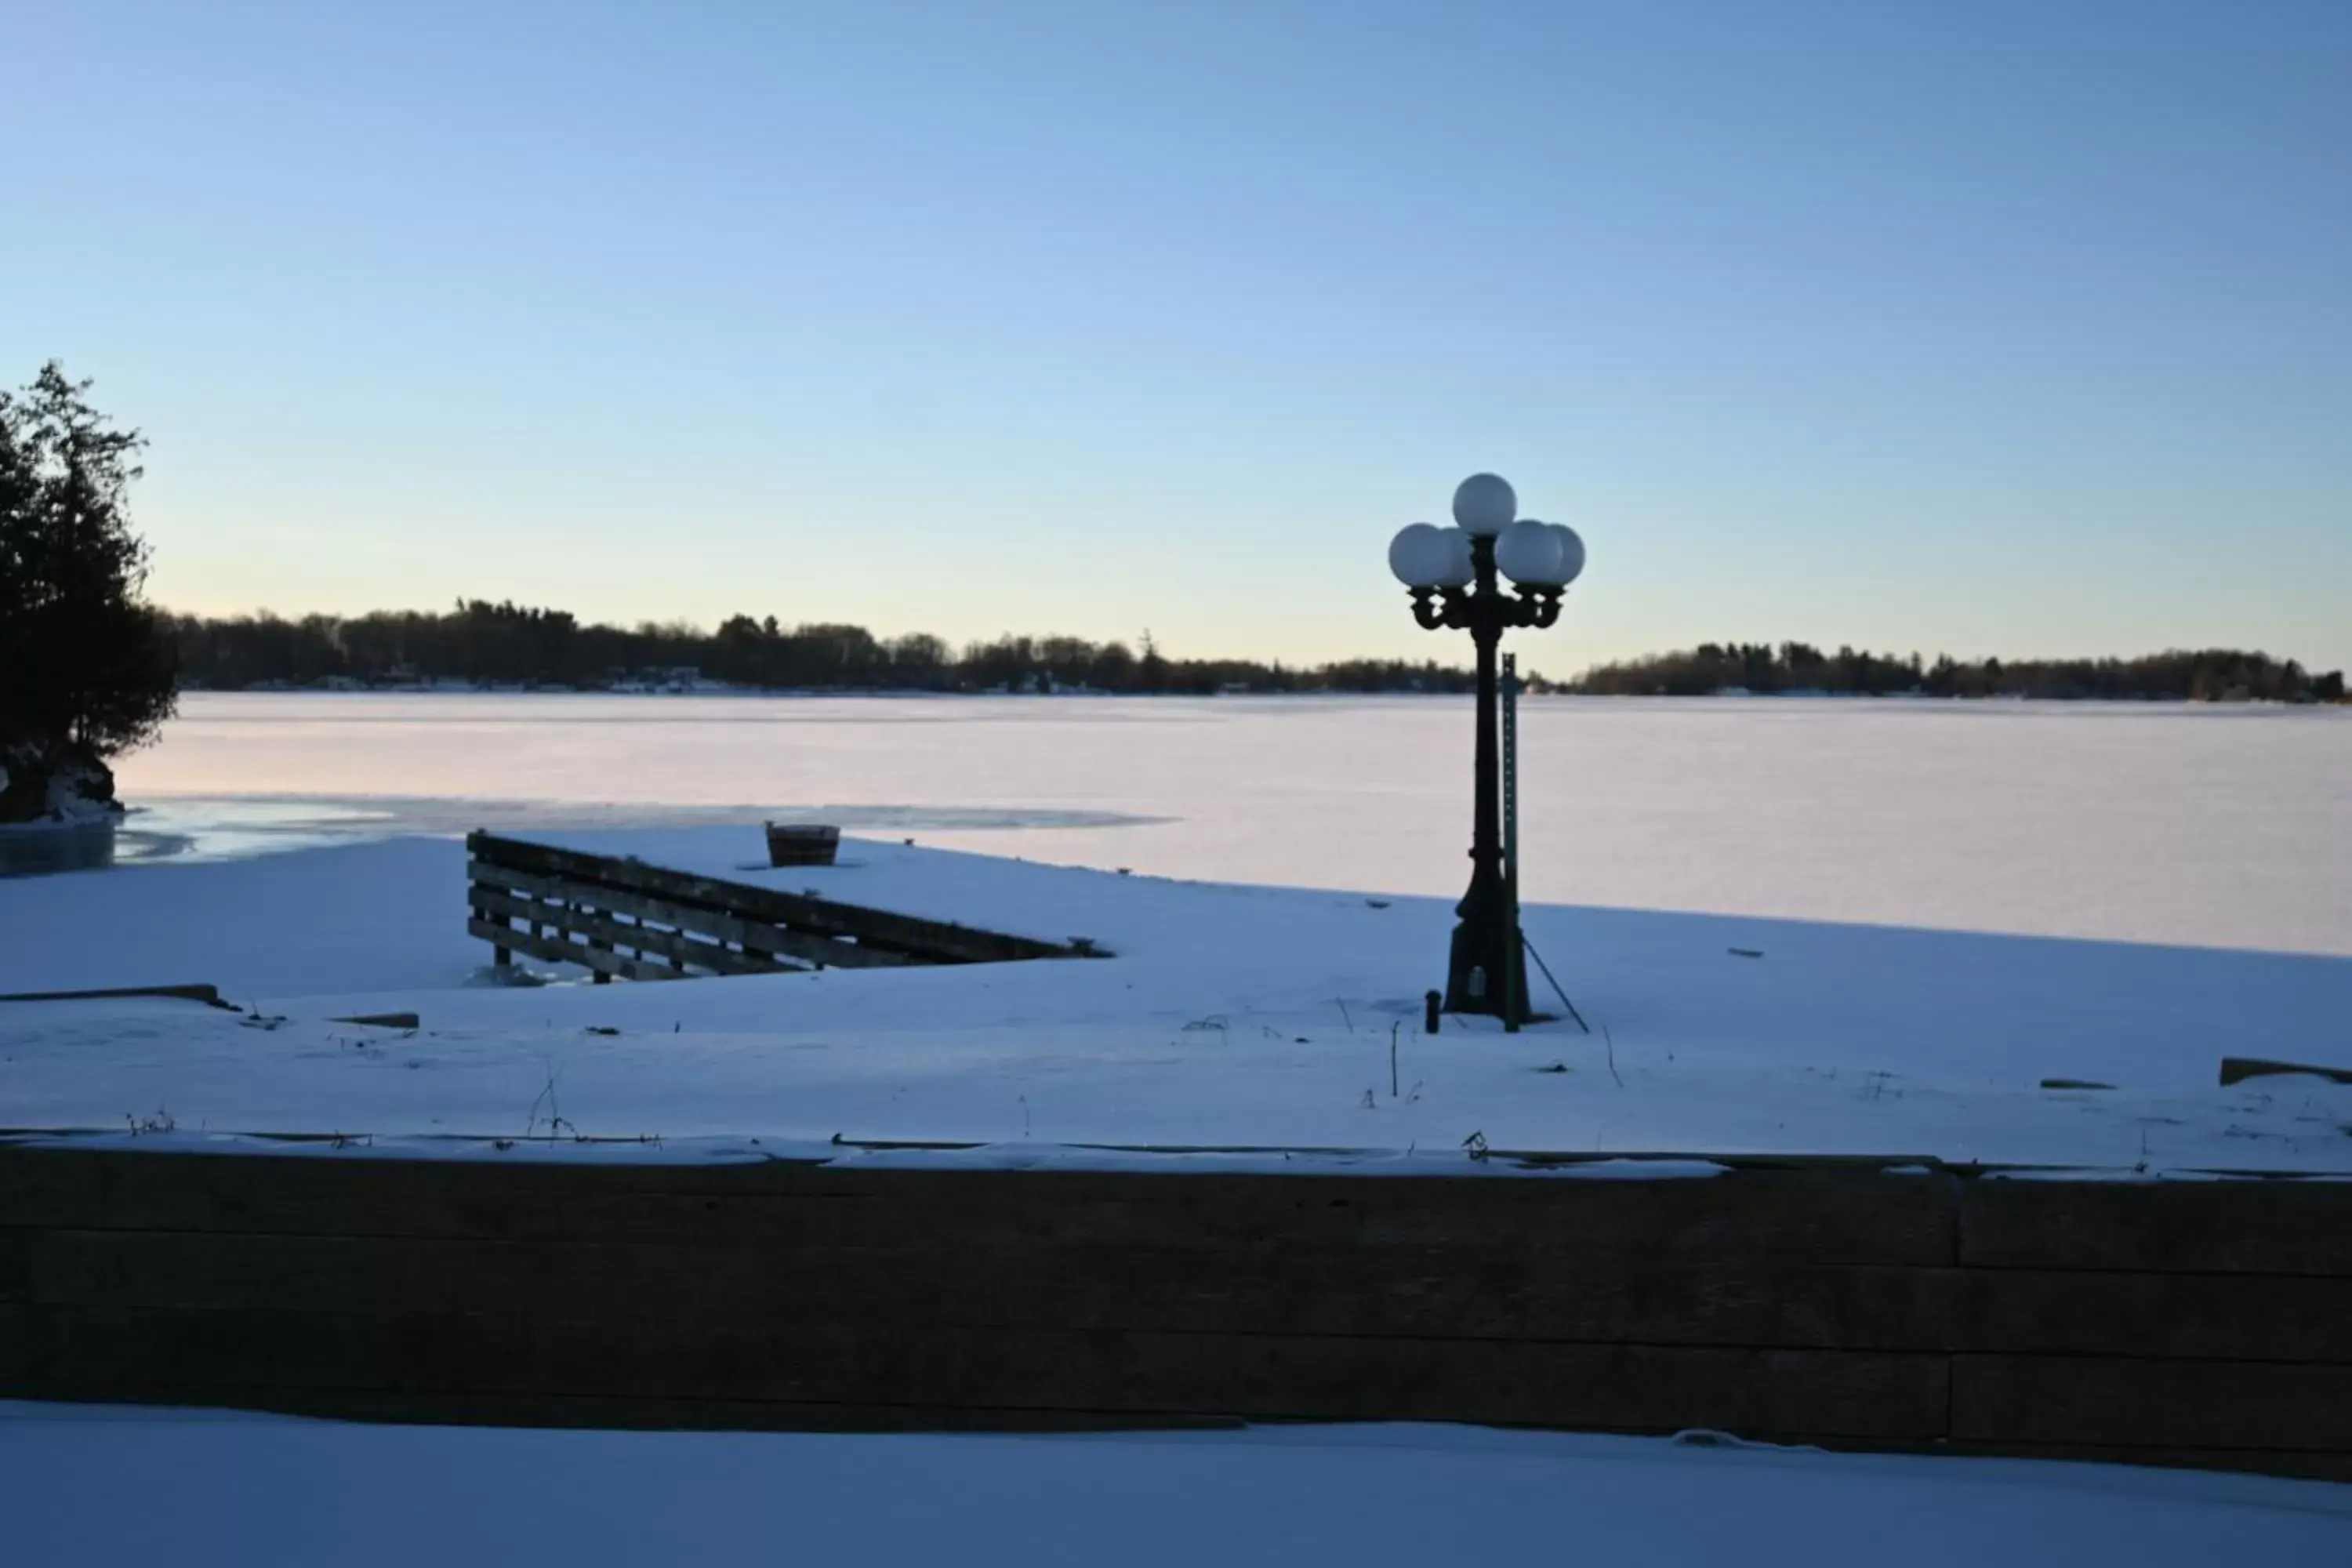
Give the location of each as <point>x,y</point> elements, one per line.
<point>505,644</point>
<point>2206,675</point>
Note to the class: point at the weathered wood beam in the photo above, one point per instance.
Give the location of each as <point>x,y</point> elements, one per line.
<point>596,926</point>
<point>752,935</point>
<point>558,952</point>
<point>209,995</point>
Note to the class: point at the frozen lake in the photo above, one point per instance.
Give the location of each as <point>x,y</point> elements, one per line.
<point>2226,827</point>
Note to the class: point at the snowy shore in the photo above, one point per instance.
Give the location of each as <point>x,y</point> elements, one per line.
<point>1248,1018</point>
<point>1230,1017</point>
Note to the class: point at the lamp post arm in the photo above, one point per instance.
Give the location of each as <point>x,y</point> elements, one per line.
<point>1537,606</point>
<point>1456,609</point>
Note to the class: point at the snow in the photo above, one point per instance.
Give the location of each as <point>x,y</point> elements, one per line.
<point>1232,1019</point>
<point>96,1485</point>
<point>1237,1027</point>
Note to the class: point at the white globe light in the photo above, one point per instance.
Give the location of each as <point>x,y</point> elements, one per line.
<point>1460,567</point>
<point>1485,504</point>
<point>1530,552</point>
<point>1420,555</point>
<point>1571,554</point>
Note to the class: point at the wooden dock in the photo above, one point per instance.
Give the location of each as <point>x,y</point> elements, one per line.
<point>622,917</point>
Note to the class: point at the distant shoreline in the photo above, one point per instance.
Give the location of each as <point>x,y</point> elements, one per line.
<point>508,647</point>
<point>740,693</point>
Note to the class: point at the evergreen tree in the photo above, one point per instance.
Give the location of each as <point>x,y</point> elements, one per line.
<point>86,666</point>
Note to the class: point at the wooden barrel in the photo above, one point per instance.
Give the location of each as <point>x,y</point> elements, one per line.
<point>791,844</point>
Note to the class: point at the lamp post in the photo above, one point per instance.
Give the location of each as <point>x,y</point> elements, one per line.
<point>1455,576</point>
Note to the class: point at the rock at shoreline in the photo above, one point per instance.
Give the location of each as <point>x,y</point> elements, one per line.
<point>67,785</point>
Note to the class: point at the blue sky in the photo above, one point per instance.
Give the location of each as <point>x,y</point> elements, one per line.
<point>1991,328</point>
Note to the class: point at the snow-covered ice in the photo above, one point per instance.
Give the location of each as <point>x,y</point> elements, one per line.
<point>2217,824</point>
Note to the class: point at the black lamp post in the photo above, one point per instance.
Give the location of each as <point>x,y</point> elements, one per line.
<point>1456,574</point>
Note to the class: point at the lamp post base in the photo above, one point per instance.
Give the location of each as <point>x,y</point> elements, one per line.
<point>1484,974</point>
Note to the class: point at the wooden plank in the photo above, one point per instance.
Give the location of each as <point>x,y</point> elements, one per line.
<point>2237,1069</point>
<point>555,949</point>
<point>1322,1292</point>
<point>21,1325</point>
<point>2150,1404</point>
<point>2276,1226</point>
<point>356,1191</point>
<point>1788,1216</point>
<point>207,995</point>
<point>123,1352</point>
<point>17,1249</point>
<point>936,940</point>
<point>2221,1317</point>
<point>609,1413</point>
<point>350,1193</point>
<point>1828,1216</point>
<point>758,936</point>
<point>594,927</point>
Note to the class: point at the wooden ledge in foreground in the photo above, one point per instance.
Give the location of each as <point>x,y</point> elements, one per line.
<point>1886,1307</point>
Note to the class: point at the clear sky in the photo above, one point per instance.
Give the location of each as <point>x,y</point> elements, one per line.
<point>1992,328</point>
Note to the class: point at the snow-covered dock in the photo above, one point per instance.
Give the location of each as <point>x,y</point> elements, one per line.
<point>616,916</point>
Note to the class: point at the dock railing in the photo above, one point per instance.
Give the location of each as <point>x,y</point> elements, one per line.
<point>617,916</point>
